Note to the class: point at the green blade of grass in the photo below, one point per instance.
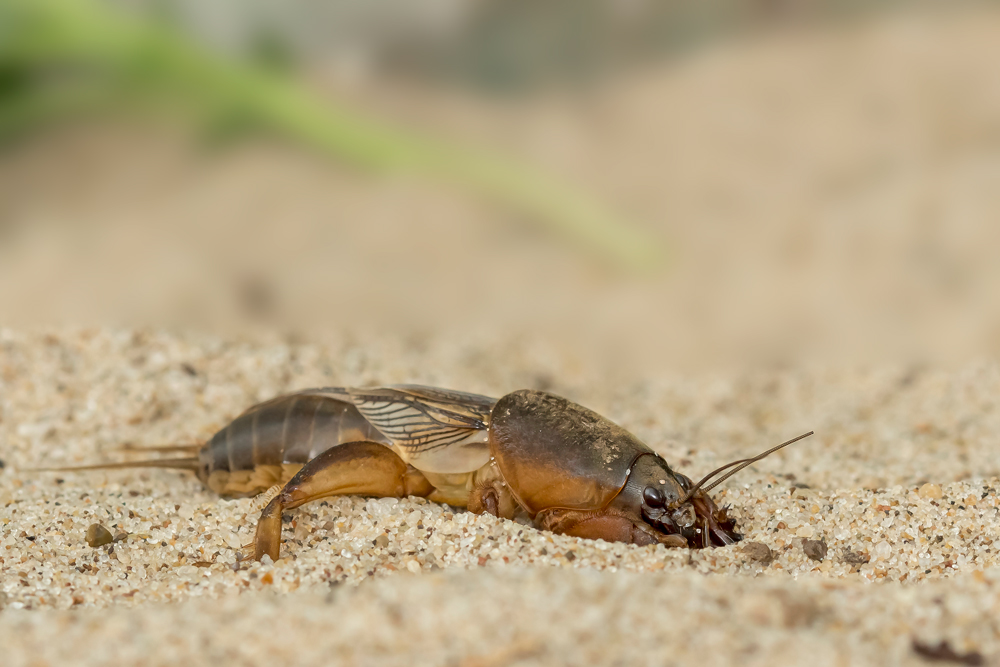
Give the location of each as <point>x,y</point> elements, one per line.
<point>147,57</point>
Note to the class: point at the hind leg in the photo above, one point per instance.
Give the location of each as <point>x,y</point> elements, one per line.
<point>354,468</point>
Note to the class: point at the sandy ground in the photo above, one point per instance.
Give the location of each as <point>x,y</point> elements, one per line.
<point>900,484</point>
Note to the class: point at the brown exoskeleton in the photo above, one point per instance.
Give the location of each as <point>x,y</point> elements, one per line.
<point>569,469</point>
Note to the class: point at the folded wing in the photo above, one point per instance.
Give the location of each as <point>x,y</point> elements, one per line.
<point>434,430</point>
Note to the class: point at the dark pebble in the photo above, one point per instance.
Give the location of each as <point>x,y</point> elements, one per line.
<point>855,557</point>
<point>943,652</point>
<point>98,535</point>
<point>815,549</point>
<point>758,551</point>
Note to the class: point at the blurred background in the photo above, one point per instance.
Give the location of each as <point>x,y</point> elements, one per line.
<point>650,184</point>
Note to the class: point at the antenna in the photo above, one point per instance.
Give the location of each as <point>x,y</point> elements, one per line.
<point>744,462</point>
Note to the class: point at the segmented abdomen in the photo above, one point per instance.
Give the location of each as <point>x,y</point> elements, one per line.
<point>288,429</point>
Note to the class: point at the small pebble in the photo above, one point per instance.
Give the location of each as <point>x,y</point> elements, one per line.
<point>381,541</point>
<point>758,551</point>
<point>815,549</point>
<point>855,557</point>
<point>943,652</point>
<point>882,550</point>
<point>98,535</point>
<point>930,491</point>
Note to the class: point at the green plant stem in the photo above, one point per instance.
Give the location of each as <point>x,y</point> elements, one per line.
<point>147,57</point>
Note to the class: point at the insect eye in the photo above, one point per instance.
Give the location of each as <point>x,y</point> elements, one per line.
<point>653,496</point>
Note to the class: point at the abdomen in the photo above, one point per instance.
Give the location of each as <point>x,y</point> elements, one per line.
<point>268,443</point>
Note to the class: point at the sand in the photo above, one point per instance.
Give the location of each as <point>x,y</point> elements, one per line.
<point>899,485</point>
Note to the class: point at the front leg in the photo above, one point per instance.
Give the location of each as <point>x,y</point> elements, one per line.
<point>354,468</point>
<point>603,525</point>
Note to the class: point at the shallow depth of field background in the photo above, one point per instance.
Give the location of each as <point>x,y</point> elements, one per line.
<point>721,183</point>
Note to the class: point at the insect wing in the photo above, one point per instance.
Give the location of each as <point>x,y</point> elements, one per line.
<point>462,407</point>
<point>435,430</point>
